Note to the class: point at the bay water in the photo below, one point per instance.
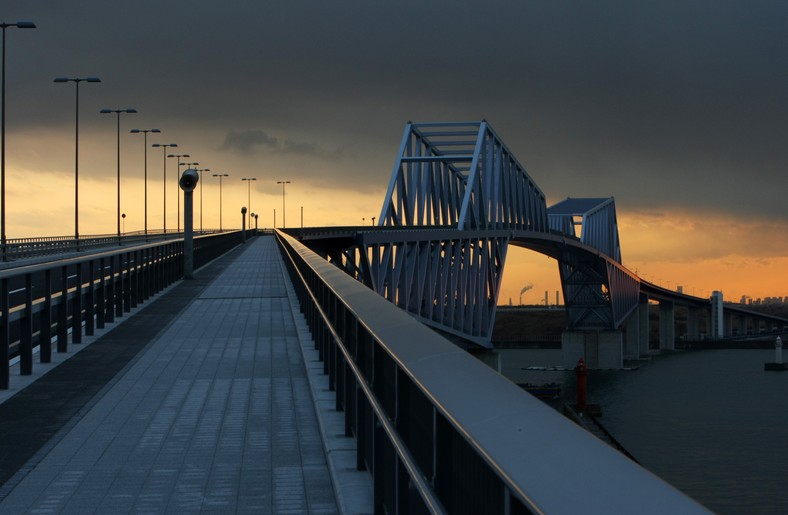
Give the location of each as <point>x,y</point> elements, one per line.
<point>712,423</point>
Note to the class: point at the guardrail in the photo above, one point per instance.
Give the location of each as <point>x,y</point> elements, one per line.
<point>21,248</point>
<point>439,431</point>
<point>40,303</point>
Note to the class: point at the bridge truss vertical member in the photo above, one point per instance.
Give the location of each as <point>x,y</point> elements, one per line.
<point>444,278</point>
<point>599,293</point>
<point>460,175</point>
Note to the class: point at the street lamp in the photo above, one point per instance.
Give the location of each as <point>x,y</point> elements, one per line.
<point>118,112</point>
<point>283,201</point>
<point>145,132</point>
<point>249,196</point>
<point>19,25</point>
<point>164,149</point>
<point>178,177</point>
<point>220,175</point>
<point>76,81</point>
<point>200,172</point>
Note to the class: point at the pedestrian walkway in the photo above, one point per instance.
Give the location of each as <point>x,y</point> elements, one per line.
<point>214,415</point>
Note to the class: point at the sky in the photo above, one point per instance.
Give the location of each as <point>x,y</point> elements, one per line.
<point>677,109</point>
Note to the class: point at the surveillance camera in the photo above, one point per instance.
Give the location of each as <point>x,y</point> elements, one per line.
<point>188,180</point>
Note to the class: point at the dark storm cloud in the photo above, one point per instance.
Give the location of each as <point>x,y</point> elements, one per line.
<point>246,141</point>
<point>675,103</point>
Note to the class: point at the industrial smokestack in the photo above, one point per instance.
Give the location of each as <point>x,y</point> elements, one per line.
<point>525,289</point>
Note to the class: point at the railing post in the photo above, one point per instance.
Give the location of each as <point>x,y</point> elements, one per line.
<point>101,297</point>
<point>76,314</point>
<point>110,300</point>
<point>45,329</point>
<point>62,312</point>
<point>90,299</point>
<point>26,331</point>
<point>119,286</point>
<point>4,336</point>
<point>127,281</point>
<point>138,297</point>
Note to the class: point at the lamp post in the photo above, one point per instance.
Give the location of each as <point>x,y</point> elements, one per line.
<point>283,202</point>
<point>19,25</point>
<point>249,196</point>
<point>164,155</point>
<point>145,132</point>
<point>76,81</point>
<point>220,175</point>
<point>200,172</point>
<point>118,112</point>
<point>178,177</point>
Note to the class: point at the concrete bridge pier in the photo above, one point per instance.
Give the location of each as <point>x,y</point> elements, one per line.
<point>599,349</point>
<point>667,325</point>
<point>742,325</point>
<point>727,324</point>
<point>693,323</point>
<point>636,337</point>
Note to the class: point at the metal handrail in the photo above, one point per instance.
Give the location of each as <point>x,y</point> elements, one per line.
<point>424,489</point>
<point>512,444</point>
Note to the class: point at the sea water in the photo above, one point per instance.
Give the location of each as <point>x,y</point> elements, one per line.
<point>712,423</point>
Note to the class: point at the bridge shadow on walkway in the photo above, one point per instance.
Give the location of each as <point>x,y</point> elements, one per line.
<point>199,402</point>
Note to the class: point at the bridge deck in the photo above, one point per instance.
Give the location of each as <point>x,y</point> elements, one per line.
<point>214,414</point>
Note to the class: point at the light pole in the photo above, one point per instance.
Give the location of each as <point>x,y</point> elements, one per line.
<point>76,81</point>
<point>200,172</point>
<point>284,226</point>
<point>19,25</point>
<point>178,177</point>
<point>220,175</point>
<point>164,155</point>
<point>118,112</point>
<point>145,132</point>
<point>249,196</point>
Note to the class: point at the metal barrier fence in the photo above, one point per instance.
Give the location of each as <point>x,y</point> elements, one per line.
<point>39,303</point>
<point>439,431</point>
<point>21,248</point>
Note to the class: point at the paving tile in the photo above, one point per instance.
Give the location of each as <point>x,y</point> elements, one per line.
<point>215,415</point>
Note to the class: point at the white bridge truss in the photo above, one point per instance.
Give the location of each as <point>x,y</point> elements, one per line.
<point>456,199</point>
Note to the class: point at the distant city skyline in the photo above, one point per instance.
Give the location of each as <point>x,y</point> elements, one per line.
<point>676,109</point>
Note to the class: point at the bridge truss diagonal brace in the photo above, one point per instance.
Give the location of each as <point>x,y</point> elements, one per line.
<point>450,283</point>
<point>460,175</point>
<point>597,297</point>
<point>596,220</point>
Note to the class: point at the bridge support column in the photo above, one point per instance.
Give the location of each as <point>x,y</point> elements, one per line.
<point>599,349</point>
<point>742,326</point>
<point>693,324</point>
<point>727,324</point>
<point>636,342</point>
<point>667,326</point>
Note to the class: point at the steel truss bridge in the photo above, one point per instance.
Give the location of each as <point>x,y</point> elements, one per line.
<point>456,200</point>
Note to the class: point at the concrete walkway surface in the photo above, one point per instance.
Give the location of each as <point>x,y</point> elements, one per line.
<point>214,415</point>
